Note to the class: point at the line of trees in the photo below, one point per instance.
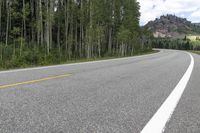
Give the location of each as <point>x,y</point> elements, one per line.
<point>38,32</point>
<point>179,44</point>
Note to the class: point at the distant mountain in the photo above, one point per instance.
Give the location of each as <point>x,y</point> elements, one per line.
<point>173,27</point>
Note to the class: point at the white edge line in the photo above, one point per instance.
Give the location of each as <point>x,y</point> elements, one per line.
<point>158,122</point>
<point>72,64</point>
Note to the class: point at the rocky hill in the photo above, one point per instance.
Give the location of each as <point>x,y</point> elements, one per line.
<point>172,26</point>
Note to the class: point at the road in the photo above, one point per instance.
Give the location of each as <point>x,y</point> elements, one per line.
<point>113,96</point>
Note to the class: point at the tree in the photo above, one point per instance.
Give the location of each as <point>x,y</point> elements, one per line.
<point>53,31</point>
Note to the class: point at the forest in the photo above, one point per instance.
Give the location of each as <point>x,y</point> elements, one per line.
<point>44,32</point>
<point>179,44</point>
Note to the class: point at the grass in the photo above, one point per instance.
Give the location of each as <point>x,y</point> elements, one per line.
<point>88,60</point>
<point>193,37</point>
<point>196,52</point>
<point>195,41</point>
<point>108,57</point>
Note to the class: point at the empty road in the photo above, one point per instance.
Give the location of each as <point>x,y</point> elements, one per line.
<point>112,96</point>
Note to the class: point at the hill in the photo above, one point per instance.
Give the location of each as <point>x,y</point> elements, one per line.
<point>173,27</point>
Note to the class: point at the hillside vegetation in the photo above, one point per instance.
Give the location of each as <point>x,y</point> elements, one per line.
<point>174,33</point>
<point>42,32</point>
<point>173,27</point>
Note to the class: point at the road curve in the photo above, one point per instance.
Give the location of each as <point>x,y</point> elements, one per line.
<point>118,96</point>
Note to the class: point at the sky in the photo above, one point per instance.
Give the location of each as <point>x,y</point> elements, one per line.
<point>151,9</point>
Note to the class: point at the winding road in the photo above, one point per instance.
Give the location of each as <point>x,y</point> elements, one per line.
<point>149,94</point>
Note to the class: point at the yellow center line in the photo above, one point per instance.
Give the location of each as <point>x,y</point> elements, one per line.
<point>34,81</point>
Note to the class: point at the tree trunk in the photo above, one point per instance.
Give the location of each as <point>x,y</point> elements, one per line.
<point>90,31</point>
<point>75,40</point>
<point>110,41</point>
<point>81,29</point>
<point>8,20</point>
<point>41,23</point>
<point>83,41</point>
<point>32,18</point>
<point>110,27</point>
<point>21,41</point>
<point>47,27</point>
<point>1,54</point>
<point>71,37</point>
<point>1,45</point>
<point>24,19</point>
<point>99,45</point>
<point>80,41</point>
<point>66,24</point>
<point>0,20</point>
<point>50,23</point>
<point>58,39</point>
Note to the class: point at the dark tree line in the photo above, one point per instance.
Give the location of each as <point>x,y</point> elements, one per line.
<point>38,32</point>
<point>179,44</point>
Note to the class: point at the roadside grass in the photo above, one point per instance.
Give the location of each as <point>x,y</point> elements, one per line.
<point>195,41</point>
<point>196,52</point>
<point>138,53</point>
<point>193,37</point>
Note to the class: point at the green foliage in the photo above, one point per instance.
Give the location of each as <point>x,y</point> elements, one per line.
<point>180,44</point>
<point>42,32</point>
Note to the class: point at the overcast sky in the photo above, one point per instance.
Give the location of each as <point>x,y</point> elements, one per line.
<point>151,9</point>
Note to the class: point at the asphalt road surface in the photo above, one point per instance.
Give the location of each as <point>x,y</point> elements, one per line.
<point>113,96</point>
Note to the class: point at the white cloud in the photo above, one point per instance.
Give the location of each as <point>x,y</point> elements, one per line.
<point>196,13</point>
<point>151,9</point>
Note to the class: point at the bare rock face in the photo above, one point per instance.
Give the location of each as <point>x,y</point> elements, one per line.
<point>172,26</point>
